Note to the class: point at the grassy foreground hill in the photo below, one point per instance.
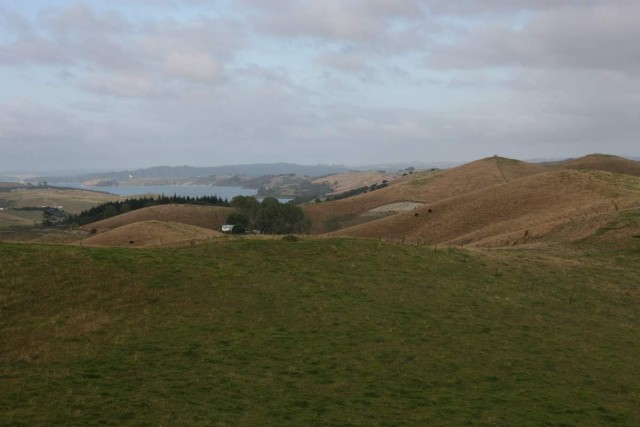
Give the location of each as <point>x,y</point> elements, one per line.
<point>318,332</point>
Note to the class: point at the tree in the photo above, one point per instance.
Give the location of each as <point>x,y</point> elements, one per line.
<point>269,216</point>
<point>110,211</point>
<point>125,207</point>
<point>247,206</point>
<point>239,221</point>
<point>276,218</point>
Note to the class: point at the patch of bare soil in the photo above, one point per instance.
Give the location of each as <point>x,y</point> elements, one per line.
<point>392,208</point>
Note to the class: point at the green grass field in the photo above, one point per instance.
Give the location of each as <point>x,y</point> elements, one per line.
<point>319,332</point>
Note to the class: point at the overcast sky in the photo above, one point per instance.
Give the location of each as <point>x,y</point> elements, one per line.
<point>136,83</point>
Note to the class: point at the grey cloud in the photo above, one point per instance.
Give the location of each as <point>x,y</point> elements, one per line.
<point>465,8</point>
<point>80,20</point>
<point>18,117</point>
<point>198,92</point>
<point>124,86</point>
<point>89,43</point>
<point>345,62</point>
<point>13,22</point>
<point>33,49</point>
<point>372,22</point>
<point>220,37</point>
<point>578,36</point>
<point>72,36</point>
<point>31,133</point>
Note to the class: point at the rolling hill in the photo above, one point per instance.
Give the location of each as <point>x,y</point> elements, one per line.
<point>423,187</point>
<point>342,182</point>
<point>603,162</point>
<point>209,217</point>
<point>324,332</point>
<point>151,233</point>
<point>514,212</point>
<point>493,201</point>
<point>72,200</point>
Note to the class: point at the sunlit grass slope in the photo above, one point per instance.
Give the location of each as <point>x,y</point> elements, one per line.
<point>318,332</point>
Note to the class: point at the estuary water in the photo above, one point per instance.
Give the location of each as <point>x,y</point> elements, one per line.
<point>168,190</point>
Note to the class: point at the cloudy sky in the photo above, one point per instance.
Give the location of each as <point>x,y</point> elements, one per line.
<point>136,83</point>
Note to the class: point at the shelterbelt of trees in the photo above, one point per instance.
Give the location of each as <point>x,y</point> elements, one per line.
<point>109,209</point>
<point>268,217</point>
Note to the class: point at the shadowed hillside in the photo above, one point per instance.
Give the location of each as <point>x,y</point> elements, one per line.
<point>211,217</point>
<point>604,162</point>
<point>151,233</point>
<point>425,187</point>
<point>519,211</point>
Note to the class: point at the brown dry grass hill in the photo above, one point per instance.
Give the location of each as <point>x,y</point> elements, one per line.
<point>604,162</point>
<point>151,233</point>
<point>6,218</point>
<point>426,187</point>
<point>342,182</point>
<point>10,185</point>
<point>71,200</point>
<point>211,217</point>
<point>564,205</point>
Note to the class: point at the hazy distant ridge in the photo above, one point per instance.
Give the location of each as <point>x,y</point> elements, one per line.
<point>252,170</point>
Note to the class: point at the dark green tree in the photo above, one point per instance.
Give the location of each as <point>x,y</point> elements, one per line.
<point>239,221</point>
<point>276,218</point>
<point>247,206</point>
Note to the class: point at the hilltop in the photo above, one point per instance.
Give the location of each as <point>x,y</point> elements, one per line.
<point>603,162</point>
<point>421,187</point>
<point>515,212</point>
<point>493,201</point>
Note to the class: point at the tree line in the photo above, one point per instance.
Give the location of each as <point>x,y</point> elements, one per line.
<point>268,217</point>
<point>110,209</point>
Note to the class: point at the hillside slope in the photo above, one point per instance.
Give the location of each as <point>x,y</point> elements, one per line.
<point>425,187</point>
<point>151,233</point>
<point>342,182</point>
<point>211,217</point>
<point>604,162</point>
<point>72,200</point>
<point>514,212</point>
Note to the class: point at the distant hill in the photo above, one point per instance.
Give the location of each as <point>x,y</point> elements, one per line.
<point>10,185</point>
<point>424,187</point>
<point>251,170</point>
<point>495,201</point>
<point>603,162</point>
<point>537,207</point>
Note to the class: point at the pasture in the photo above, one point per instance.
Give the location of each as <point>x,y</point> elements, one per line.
<point>319,332</point>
